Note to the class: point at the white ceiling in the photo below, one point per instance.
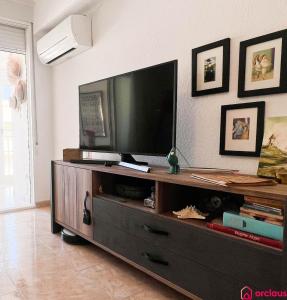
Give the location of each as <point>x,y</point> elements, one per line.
<point>47,13</point>
<point>24,2</point>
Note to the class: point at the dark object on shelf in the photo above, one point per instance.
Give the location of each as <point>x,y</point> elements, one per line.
<point>130,191</point>
<point>86,213</point>
<point>106,163</point>
<point>236,131</point>
<point>210,82</point>
<point>71,238</point>
<point>260,73</point>
<point>173,162</point>
<point>216,203</point>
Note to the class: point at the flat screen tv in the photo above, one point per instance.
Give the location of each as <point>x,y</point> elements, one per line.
<point>132,113</point>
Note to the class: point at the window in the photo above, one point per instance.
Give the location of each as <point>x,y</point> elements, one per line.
<point>15,150</point>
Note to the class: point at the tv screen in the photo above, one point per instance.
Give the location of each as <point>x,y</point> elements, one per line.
<point>132,113</point>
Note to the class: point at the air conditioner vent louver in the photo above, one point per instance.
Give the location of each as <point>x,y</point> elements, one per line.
<point>56,58</point>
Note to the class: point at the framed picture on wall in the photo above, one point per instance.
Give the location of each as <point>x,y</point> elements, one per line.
<point>210,68</point>
<point>262,65</point>
<point>273,157</point>
<point>242,128</point>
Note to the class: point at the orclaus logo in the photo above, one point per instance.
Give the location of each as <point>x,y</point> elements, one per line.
<point>246,293</point>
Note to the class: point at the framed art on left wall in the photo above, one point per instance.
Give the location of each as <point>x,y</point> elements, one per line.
<point>210,68</point>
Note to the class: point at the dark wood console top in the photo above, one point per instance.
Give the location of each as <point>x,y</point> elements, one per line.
<point>276,192</point>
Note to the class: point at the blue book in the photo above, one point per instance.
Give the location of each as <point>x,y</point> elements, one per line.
<point>243,223</point>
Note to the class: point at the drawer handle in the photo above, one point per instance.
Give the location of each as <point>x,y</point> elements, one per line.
<point>86,213</point>
<point>155,259</point>
<point>148,228</point>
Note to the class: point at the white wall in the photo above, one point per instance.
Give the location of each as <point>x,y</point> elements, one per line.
<point>16,11</point>
<point>131,34</point>
<point>43,150</point>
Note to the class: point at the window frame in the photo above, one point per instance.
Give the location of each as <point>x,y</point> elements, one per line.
<point>30,76</point>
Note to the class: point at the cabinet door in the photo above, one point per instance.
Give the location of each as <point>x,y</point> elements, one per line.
<point>59,193</point>
<point>70,195</point>
<point>84,186</point>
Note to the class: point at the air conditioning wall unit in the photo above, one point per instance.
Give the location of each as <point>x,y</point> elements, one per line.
<point>69,38</point>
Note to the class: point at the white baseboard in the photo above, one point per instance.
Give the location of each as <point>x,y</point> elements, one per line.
<point>10,210</point>
<point>42,203</point>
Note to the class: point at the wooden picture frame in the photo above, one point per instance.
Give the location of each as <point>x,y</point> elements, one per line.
<point>242,129</point>
<point>210,68</point>
<point>256,78</point>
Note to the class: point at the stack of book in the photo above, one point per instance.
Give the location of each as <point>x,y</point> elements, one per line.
<point>264,213</point>
<point>258,222</point>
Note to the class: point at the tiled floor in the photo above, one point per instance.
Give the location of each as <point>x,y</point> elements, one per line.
<point>8,199</point>
<point>35,264</point>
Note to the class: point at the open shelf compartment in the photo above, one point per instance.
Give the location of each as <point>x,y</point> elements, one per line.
<point>129,191</point>
<point>173,197</point>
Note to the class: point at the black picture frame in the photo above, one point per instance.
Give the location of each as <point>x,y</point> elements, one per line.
<point>259,133</point>
<point>242,65</point>
<point>225,68</point>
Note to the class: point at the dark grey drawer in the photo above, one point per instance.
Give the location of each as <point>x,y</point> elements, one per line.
<point>231,256</point>
<point>185,273</point>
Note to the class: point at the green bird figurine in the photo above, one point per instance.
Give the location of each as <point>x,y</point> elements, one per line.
<point>173,162</point>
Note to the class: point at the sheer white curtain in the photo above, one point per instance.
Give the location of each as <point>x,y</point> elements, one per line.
<point>13,40</point>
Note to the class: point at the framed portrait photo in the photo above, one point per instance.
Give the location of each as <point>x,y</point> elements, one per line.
<point>262,65</point>
<point>210,68</point>
<point>242,128</point>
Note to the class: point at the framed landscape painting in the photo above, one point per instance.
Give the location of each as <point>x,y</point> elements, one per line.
<point>242,127</point>
<point>262,65</point>
<point>210,68</point>
<point>273,158</point>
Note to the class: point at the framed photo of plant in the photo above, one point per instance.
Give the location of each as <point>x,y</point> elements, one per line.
<point>242,128</point>
<point>210,68</point>
<point>262,65</point>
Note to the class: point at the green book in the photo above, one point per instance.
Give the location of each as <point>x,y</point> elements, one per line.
<point>262,228</point>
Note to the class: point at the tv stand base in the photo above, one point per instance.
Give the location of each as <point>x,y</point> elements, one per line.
<point>128,158</point>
